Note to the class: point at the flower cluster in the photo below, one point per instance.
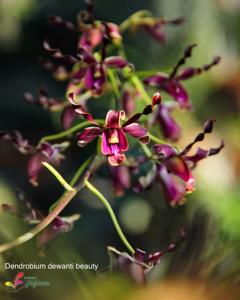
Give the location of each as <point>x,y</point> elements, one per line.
<point>91,73</point>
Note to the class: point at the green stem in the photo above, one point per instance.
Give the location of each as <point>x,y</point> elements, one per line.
<point>68,131</point>
<point>66,198</point>
<point>156,139</point>
<point>146,150</point>
<point>112,79</point>
<point>64,201</point>
<point>80,170</point>
<point>111,213</point>
<point>74,180</point>
<point>139,86</point>
<point>58,176</point>
<point>135,79</point>
<point>146,73</point>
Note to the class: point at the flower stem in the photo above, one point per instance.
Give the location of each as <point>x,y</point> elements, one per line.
<point>111,213</point>
<point>68,131</point>
<point>64,201</point>
<point>156,139</point>
<point>58,176</point>
<point>146,150</point>
<point>74,180</point>
<point>66,198</point>
<point>139,86</point>
<point>113,81</point>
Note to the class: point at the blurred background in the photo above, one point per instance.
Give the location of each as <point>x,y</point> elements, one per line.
<point>208,262</point>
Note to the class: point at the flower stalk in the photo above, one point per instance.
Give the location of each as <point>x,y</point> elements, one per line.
<point>58,176</point>
<point>62,203</point>
<point>109,209</point>
<point>68,132</point>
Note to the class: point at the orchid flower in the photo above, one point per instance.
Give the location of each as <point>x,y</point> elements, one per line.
<point>171,83</point>
<point>44,152</point>
<point>114,142</point>
<point>174,169</point>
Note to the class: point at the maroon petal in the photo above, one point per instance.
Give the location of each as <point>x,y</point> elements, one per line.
<point>57,53</point>
<point>123,143</point>
<point>174,190</point>
<point>190,72</point>
<point>105,146</point>
<point>88,135</point>
<point>154,258</point>
<point>156,80</point>
<point>121,179</point>
<point>91,38</point>
<point>59,72</point>
<point>21,144</point>
<point>113,119</point>
<point>164,150</point>
<point>178,167</point>
<point>113,142</point>
<point>116,61</point>
<point>113,32</point>
<point>187,53</point>
<point>208,127</point>
<point>201,154</point>
<point>146,181</point>
<point>80,109</point>
<point>44,100</point>
<point>35,166</point>
<point>86,56</point>
<point>47,149</point>
<point>156,99</point>
<point>57,149</point>
<point>99,79</point>
<point>169,127</point>
<point>57,227</point>
<point>156,31</point>
<point>133,267</point>
<point>175,89</point>
<point>137,131</point>
<point>56,20</point>
<point>89,78</point>
<point>68,117</point>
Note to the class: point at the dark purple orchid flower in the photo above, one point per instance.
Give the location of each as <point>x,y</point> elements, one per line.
<point>170,129</point>
<point>141,263</point>
<point>89,72</point>
<point>171,83</point>
<point>44,152</point>
<point>93,72</point>
<point>173,169</point>
<point>114,142</point>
